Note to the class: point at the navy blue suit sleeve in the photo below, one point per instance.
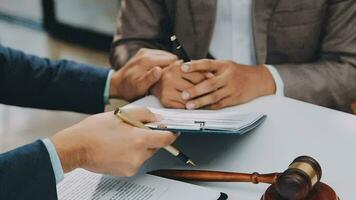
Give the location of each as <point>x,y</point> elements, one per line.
<point>26,173</point>
<point>30,81</point>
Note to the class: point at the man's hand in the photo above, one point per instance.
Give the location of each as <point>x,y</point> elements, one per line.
<point>172,83</point>
<point>143,70</point>
<point>231,84</point>
<point>104,144</point>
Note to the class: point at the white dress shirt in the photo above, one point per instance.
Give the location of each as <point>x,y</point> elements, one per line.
<point>233,37</point>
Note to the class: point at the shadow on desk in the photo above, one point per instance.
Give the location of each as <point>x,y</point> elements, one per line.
<point>207,151</point>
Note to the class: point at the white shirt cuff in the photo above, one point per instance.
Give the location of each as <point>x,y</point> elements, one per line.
<point>56,163</point>
<point>107,87</point>
<point>277,80</point>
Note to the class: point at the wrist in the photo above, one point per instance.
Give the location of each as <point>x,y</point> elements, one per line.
<point>265,78</point>
<point>115,85</point>
<point>70,149</point>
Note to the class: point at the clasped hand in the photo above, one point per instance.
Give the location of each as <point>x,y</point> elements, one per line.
<point>211,84</point>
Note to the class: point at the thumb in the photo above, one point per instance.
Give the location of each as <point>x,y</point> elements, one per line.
<point>150,77</point>
<point>158,139</point>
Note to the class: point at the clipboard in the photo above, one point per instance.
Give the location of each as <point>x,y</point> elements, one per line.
<point>207,122</point>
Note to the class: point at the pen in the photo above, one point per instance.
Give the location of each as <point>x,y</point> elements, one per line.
<point>179,47</point>
<point>124,116</point>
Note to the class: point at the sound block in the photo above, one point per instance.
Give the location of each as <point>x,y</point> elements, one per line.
<point>321,191</point>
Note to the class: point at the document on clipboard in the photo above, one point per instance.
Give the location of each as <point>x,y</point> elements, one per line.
<point>206,121</point>
<point>84,185</point>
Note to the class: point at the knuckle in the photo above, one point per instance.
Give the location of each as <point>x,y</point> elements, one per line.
<point>141,51</point>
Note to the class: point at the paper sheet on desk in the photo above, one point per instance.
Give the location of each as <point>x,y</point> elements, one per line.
<point>83,185</point>
<point>206,121</point>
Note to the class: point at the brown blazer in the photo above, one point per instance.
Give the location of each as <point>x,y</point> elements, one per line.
<point>312,43</point>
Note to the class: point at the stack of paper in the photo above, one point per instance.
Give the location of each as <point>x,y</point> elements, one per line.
<point>84,185</point>
<point>206,121</point>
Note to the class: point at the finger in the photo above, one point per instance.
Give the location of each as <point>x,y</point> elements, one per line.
<point>150,78</point>
<point>202,88</point>
<point>207,99</point>
<point>175,104</point>
<point>175,66</point>
<point>155,52</point>
<point>142,114</point>
<point>200,65</point>
<point>194,77</point>
<point>161,53</point>
<point>148,58</point>
<point>181,85</point>
<point>225,102</point>
<point>159,139</point>
<point>170,61</point>
<point>173,100</point>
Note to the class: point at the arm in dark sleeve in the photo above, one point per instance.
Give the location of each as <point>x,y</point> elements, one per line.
<point>30,81</point>
<point>26,173</point>
<point>140,24</point>
<point>331,80</point>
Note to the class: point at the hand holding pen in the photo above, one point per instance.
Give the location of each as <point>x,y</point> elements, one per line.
<point>124,116</point>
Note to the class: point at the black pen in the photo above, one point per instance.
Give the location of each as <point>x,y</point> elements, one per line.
<point>182,53</point>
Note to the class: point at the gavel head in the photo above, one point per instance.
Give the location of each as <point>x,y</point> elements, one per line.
<point>299,179</point>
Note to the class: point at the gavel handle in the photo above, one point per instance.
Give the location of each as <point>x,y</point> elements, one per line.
<point>215,176</point>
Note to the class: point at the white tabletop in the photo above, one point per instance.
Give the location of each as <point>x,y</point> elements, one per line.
<point>292,128</point>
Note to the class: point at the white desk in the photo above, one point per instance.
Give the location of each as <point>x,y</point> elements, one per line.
<point>292,128</point>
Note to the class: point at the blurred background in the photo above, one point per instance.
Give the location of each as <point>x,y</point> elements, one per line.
<point>74,29</point>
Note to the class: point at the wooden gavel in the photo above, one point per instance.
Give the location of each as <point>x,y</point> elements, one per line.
<point>301,181</point>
